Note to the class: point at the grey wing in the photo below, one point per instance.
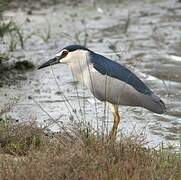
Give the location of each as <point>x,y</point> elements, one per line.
<point>146,97</point>
<point>108,67</point>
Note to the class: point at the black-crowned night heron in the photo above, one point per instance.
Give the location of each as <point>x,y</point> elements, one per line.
<point>108,81</point>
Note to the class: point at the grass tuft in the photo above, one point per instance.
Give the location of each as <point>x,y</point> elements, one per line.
<point>28,153</point>
<point>19,138</point>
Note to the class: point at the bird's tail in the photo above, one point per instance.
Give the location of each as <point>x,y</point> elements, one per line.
<point>154,104</point>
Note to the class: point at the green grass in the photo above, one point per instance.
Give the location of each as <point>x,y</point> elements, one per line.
<point>28,153</point>
<point>13,32</point>
<point>12,37</point>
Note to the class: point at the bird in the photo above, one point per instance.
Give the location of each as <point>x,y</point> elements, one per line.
<point>108,81</point>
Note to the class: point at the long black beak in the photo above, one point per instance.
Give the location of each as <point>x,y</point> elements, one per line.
<point>49,63</point>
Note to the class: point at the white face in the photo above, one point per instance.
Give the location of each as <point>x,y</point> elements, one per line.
<point>63,56</point>
<point>66,57</point>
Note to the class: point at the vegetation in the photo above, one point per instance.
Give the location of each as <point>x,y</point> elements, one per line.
<point>11,37</point>
<point>27,152</point>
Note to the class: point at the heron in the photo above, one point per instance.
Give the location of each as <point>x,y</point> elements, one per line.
<point>108,81</point>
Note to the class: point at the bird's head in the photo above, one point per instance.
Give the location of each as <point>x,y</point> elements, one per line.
<point>66,55</point>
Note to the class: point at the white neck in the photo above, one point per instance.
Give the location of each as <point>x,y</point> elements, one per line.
<point>79,63</point>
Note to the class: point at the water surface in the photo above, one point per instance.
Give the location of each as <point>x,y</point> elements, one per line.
<point>146,35</point>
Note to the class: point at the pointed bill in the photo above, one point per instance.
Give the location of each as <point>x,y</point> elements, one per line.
<point>49,63</point>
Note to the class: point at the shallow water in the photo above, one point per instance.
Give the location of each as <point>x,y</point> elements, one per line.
<point>145,34</point>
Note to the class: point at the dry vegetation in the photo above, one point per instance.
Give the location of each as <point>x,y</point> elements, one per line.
<point>28,153</point>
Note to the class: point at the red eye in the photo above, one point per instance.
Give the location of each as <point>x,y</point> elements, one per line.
<point>64,53</point>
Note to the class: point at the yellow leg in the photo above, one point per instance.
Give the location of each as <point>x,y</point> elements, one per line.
<point>113,132</point>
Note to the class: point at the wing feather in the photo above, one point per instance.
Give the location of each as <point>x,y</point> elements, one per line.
<point>108,67</point>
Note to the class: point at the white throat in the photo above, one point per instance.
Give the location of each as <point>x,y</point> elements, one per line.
<point>79,63</point>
